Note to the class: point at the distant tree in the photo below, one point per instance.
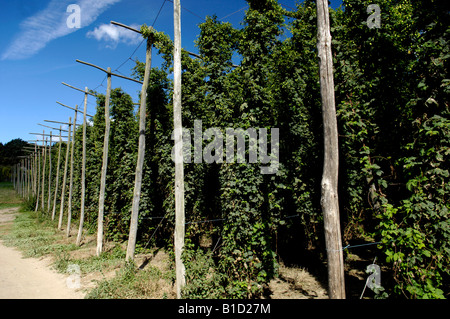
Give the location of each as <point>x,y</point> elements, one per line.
<point>11,151</point>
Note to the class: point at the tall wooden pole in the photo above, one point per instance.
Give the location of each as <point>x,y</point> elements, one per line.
<point>69,208</point>
<point>44,152</point>
<point>19,178</point>
<point>20,188</point>
<point>38,180</point>
<point>28,170</point>
<point>63,191</point>
<point>141,153</point>
<point>179,170</point>
<point>83,171</point>
<point>329,200</point>
<point>49,174</point>
<point>57,175</point>
<point>35,177</point>
<point>101,198</point>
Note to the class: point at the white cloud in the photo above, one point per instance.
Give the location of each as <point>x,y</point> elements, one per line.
<point>51,23</point>
<point>114,34</point>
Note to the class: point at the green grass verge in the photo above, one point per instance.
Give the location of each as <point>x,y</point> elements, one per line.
<point>36,235</point>
<point>8,196</point>
<point>132,283</point>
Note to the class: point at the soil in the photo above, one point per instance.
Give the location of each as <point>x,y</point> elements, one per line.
<point>29,278</point>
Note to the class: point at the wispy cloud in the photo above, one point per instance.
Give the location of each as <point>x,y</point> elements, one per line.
<point>113,35</point>
<point>51,23</point>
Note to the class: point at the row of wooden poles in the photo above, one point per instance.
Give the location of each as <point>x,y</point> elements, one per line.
<point>30,179</point>
<point>29,175</point>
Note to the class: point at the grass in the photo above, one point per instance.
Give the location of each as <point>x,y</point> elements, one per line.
<point>132,283</point>
<point>37,236</point>
<point>8,196</point>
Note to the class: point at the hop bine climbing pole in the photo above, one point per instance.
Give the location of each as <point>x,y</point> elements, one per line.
<point>329,200</point>
<point>49,172</point>
<point>69,207</point>
<point>179,169</point>
<point>101,198</point>
<point>57,175</point>
<point>35,176</point>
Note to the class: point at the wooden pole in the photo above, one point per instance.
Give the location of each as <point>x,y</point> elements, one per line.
<point>179,169</point>
<point>38,180</point>
<point>53,128</point>
<point>26,177</point>
<point>29,170</point>
<point>86,91</point>
<point>57,175</point>
<point>83,171</point>
<point>30,165</point>
<point>101,69</point>
<point>141,154</point>
<point>66,123</point>
<point>17,174</point>
<point>44,151</point>
<point>18,178</point>
<point>101,199</point>
<point>49,173</point>
<point>24,168</point>
<point>329,200</point>
<point>20,188</point>
<point>72,108</point>
<point>21,177</point>
<point>63,191</point>
<point>69,208</point>
<point>35,171</point>
<point>44,134</point>
<point>14,176</point>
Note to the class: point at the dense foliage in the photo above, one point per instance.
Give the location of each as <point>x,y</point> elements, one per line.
<point>392,89</point>
<point>10,154</point>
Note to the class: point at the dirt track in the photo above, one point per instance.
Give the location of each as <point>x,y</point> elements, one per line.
<point>29,278</point>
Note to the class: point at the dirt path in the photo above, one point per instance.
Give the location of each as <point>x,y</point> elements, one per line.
<point>29,278</point>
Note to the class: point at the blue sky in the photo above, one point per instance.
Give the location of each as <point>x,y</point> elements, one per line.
<point>38,52</point>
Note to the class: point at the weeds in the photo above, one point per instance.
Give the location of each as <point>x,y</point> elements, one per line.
<point>130,282</point>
